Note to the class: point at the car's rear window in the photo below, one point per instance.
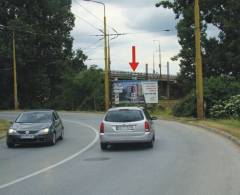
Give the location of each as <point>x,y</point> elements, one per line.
<point>124,115</point>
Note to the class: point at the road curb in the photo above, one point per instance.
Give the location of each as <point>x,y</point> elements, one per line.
<point>221,132</point>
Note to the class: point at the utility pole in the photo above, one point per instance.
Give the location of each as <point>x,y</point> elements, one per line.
<point>160,57</point>
<point>109,69</point>
<point>15,92</point>
<point>146,71</point>
<point>106,80</point>
<point>160,60</point>
<point>106,73</point>
<point>198,62</point>
<point>168,83</point>
<point>153,63</point>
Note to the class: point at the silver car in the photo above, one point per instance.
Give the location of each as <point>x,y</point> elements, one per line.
<point>127,125</point>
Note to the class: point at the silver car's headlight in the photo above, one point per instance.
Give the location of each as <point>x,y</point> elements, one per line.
<point>12,131</point>
<point>44,131</point>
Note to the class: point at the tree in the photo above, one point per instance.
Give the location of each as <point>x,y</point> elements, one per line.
<point>43,47</point>
<point>84,90</point>
<point>220,55</point>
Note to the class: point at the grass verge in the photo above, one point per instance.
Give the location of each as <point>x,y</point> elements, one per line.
<point>229,126</point>
<point>4,125</point>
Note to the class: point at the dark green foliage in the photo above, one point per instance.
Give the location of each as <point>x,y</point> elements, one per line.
<point>221,55</point>
<point>227,109</point>
<point>216,89</point>
<point>49,73</point>
<point>84,90</point>
<point>43,49</point>
<point>186,107</point>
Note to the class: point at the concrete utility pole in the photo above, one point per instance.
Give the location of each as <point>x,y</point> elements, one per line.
<point>106,74</point>
<point>198,62</point>
<point>160,60</point>
<point>160,56</point>
<point>146,71</point>
<point>153,63</point>
<point>109,69</point>
<point>15,91</point>
<point>168,83</point>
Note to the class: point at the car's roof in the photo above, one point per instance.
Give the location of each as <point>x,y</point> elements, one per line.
<point>38,110</point>
<point>127,108</point>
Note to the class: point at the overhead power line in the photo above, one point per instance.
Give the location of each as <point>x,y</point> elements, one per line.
<point>87,22</point>
<point>91,45</point>
<point>91,13</point>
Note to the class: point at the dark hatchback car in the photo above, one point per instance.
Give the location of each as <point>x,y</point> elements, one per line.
<point>41,126</point>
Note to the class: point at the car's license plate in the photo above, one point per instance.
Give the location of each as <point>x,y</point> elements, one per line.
<point>125,127</point>
<point>27,136</point>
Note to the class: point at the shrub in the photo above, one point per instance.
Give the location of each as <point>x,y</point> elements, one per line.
<point>227,109</point>
<point>186,107</point>
<point>216,90</point>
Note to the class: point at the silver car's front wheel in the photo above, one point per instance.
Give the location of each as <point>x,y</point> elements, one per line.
<point>62,135</point>
<point>53,140</point>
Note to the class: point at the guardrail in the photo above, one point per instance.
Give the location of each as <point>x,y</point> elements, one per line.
<point>139,75</point>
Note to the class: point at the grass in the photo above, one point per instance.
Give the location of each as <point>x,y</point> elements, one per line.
<point>4,125</point>
<point>164,111</point>
<point>230,126</point>
<point>164,108</point>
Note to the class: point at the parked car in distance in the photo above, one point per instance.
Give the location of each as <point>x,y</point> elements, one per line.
<point>38,126</point>
<point>127,125</point>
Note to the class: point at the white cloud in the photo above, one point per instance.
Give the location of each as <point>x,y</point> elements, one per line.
<point>140,18</point>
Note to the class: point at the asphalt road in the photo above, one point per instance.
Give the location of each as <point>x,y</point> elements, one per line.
<point>185,160</point>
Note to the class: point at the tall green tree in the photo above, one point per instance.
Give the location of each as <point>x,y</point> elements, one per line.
<point>221,55</point>
<point>84,90</point>
<point>43,47</point>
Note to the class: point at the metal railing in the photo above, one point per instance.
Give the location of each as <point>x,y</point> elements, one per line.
<point>140,75</point>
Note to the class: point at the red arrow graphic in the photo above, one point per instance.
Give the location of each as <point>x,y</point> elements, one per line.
<point>133,64</point>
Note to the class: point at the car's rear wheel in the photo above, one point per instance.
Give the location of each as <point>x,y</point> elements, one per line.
<point>10,145</point>
<point>150,144</point>
<point>103,146</point>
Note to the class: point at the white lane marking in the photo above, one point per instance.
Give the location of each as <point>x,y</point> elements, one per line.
<point>59,163</point>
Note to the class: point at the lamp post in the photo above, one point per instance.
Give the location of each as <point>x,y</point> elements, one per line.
<point>106,74</point>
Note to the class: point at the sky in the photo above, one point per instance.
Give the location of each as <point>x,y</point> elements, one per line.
<point>141,19</point>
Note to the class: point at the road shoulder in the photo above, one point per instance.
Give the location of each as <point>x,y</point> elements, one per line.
<point>218,130</point>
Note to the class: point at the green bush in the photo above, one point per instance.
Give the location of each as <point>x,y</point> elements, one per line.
<point>227,109</point>
<point>186,107</point>
<point>216,89</point>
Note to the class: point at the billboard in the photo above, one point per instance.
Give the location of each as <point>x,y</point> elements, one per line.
<point>134,91</point>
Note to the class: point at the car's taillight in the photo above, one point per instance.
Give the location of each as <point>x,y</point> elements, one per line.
<point>147,126</point>
<point>102,127</point>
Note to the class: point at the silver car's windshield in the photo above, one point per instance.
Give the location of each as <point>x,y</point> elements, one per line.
<point>34,117</point>
<point>124,115</point>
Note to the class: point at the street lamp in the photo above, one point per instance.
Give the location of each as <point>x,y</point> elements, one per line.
<point>106,74</point>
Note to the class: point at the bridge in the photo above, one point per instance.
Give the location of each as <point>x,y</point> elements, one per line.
<point>124,75</point>
<point>167,84</point>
